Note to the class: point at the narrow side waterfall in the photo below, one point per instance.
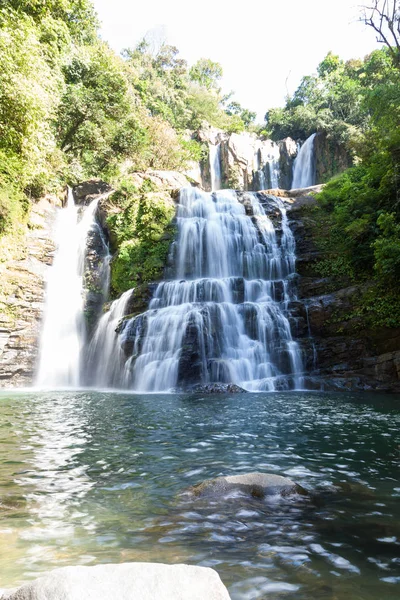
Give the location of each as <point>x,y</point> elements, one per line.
<point>225,316</point>
<point>105,359</point>
<point>266,167</point>
<point>273,166</point>
<point>304,165</point>
<point>63,329</point>
<point>215,166</point>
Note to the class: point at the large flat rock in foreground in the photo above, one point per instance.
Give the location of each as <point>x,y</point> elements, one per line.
<point>128,581</point>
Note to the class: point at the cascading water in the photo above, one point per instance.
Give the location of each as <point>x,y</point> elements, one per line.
<point>304,165</point>
<point>215,166</point>
<point>225,317</point>
<point>105,359</point>
<point>63,329</point>
<point>273,162</point>
<point>266,167</point>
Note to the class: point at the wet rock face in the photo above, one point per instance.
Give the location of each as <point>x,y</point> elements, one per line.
<point>331,158</point>
<point>251,485</point>
<point>340,352</point>
<point>86,191</point>
<point>288,152</point>
<point>22,291</point>
<point>248,162</point>
<point>96,275</point>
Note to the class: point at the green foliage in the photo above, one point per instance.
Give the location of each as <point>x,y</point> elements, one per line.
<point>380,307</point>
<point>71,109</point>
<point>330,64</point>
<point>336,101</point>
<point>247,116</point>
<point>77,15</point>
<point>13,207</point>
<point>28,99</point>
<point>96,115</point>
<point>336,266</point>
<point>141,231</point>
<point>358,201</point>
<point>387,248</point>
<point>363,203</point>
<point>331,242</point>
<point>206,72</point>
<point>184,97</point>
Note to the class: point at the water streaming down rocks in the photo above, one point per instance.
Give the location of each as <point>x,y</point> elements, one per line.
<point>266,162</point>
<point>224,318</point>
<point>304,165</point>
<point>64,328</point>
<point>104,358</point>
<point>215,166</point>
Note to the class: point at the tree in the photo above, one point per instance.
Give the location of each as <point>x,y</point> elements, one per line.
<point>330,64</point>
<point>206,72</point>
<point>247,116</point>
<point>79,15</point>
<point>384,17</point>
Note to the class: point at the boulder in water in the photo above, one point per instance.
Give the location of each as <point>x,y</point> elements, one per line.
<point>256,485</point>
<point>217,388</point>
<point>129,581</point>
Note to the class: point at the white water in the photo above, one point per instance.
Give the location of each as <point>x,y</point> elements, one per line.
<point>304,165</point>
<point>224,318</point>
<point>273,162</point>
<point>105,358</point>
<point>266,166</point>
<point>215,166</point>
<point>63,329</point>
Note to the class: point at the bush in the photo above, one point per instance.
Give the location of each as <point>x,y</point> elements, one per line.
<point>141,233</point>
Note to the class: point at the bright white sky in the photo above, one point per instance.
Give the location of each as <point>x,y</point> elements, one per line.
<point>264,47</point>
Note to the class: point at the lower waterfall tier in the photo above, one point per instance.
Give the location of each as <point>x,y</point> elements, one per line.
<point>225,318</point>
<point>249,344</point>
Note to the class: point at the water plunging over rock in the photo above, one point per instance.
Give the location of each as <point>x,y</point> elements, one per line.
<point>215,166</point>
<point>225,316</point>
<point>105,360</point>
<point>64,328</point>
<point>304,165</point>
<point>245,162</point>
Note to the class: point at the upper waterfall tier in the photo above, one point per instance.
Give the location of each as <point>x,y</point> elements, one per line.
<point>224,318</point>
<point>304,165</point>
<point>246,162</point>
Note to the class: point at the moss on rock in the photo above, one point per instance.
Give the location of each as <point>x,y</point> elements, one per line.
<point>141,227</point>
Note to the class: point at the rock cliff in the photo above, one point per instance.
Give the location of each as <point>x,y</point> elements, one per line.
<point>343,352</point>
<point>23,270</point>
<point>331,158</point>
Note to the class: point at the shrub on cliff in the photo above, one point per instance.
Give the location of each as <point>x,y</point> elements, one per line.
<point>141,229</point>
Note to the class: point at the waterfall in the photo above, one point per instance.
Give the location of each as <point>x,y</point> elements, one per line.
<point>215,166</point>
<point>105,358</point>
<point>304,165</point>
<point>63,329</point>
<point>273,162</point>
<point>224,318</point>
<point>266,166</point>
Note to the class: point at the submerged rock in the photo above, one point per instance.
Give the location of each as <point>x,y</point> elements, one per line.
<point>255,485</point>
<point>218,388</point>
<point>129,581</point>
